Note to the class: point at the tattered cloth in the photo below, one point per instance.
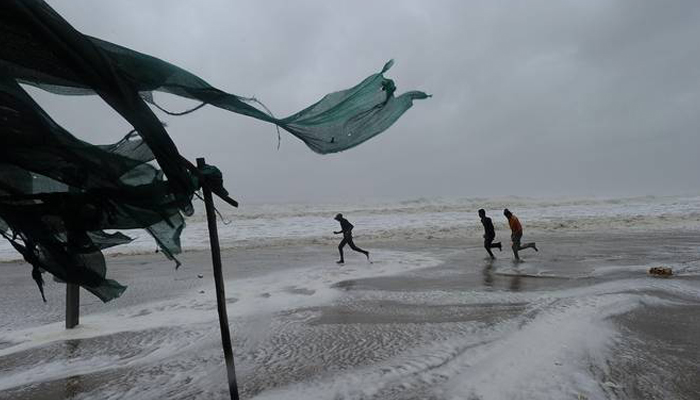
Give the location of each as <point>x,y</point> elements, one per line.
<point>58,193</point>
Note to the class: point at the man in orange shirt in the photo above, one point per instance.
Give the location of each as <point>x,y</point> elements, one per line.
<point>517,233</point>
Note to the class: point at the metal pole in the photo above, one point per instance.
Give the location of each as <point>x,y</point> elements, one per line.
<point>72,305</point>
<point>219,283</point>
<point>72,292</point>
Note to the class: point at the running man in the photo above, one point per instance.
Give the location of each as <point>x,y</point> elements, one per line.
<point>489,233</point>
<point>517,234</point>
<point>346,230</point>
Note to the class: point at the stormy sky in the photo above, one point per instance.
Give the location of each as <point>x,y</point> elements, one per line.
<point>532,98</point>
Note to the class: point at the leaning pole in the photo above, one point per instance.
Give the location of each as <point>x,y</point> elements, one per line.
<point>219,284</point>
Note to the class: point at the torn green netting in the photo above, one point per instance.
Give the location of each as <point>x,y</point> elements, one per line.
<point>339,121</point>
<point>58,194</point>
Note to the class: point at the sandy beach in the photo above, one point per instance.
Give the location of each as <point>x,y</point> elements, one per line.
<point>429,319</point>
<point>132,131</point>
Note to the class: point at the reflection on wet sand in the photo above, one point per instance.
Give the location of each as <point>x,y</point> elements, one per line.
<point>487,273</point>
<point>515,281</point>
<point>468,328</point>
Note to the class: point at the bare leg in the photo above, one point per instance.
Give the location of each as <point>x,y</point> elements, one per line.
<point>530,245</point>
<point>352,246</point>
<point>517,246</point>
<point>488,245</point>
<point>340,250</point>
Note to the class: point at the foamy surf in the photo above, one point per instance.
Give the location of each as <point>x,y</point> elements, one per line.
<point>545,353</point>
<point>419,323</point>
<point>196,312</point>
<point>258,226</point>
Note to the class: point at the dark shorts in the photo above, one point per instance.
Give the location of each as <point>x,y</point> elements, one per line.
<point>488,240</point>
<point>347,239</point>
<point>516,237</point>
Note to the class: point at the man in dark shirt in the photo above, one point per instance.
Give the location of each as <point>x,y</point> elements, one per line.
<point>489,233</point>
<point>346,230</point>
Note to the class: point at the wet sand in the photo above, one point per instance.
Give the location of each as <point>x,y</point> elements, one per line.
<point>430,319</point>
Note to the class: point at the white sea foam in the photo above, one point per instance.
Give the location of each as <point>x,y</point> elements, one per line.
<point>286,224</point>
<point>263,295</point>
<point>544,353</point>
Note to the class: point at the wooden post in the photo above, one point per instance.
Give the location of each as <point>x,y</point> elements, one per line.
<point>219,283</point>
<point>72,305</point>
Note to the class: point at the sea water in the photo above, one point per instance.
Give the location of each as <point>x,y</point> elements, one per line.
<point>254,225</point>
<point>431,318</point>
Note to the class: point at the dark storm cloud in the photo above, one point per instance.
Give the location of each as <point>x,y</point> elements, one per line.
<point>530,97</point>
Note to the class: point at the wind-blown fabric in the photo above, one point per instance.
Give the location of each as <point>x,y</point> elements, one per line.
<point>337,122</point>
<point>58,193</point>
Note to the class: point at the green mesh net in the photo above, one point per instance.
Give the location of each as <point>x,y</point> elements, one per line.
<point>58,194</point>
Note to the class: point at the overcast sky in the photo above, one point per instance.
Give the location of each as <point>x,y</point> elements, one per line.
<point>533,98</point>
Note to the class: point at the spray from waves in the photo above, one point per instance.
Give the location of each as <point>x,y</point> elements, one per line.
<point>447,204</point>
<point>422,219</point>
<point>422,227</point>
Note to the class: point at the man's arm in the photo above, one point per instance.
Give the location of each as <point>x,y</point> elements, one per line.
<point>343,230</point>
